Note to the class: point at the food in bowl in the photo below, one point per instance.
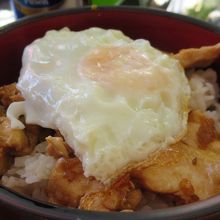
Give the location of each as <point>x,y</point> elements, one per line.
<point>103,122</point>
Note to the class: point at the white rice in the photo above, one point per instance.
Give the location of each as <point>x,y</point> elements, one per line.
<point>205,94</point>
<point>12,181</point>
<point>33,169</point>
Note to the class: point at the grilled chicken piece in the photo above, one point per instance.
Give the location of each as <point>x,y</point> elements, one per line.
<point>33,133</point>
<point>67,183</point>
<point>69,187</point>
<point>9,93</point>
<point>17,142</point>
<point>5,161</point>
<point>13,139</point>
<point>188,169</point>
<point>122,195</point>
<point>57,147</point>
<point>198,57</point>
<point>2,111</point>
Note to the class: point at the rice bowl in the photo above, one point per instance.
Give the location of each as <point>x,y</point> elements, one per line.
<point>210,99</point>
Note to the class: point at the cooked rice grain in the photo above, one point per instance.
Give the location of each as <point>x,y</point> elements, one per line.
<point>30,169</point>
<point>205,94</point>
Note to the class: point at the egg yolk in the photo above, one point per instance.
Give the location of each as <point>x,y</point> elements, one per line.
<point>123,68</point>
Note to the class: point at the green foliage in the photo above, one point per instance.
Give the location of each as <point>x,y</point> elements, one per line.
<point>203,9</point>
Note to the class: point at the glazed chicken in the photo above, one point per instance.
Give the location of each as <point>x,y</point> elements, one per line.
<point>57,147</point>
<point>9,94</point>
<point>198,57</point>
<point>13,142</point>
<point>68,186</point>
<point>188,169</point>
<point>5,160</point>
<point>18,142</point>
<point>122,195</point>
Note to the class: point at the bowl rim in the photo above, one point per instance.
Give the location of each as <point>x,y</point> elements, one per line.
<point>33,18</point>
<point>189,211</point>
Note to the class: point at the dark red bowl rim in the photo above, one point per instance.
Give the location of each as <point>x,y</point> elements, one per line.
<point>190,211</point>
<point>26,20</point>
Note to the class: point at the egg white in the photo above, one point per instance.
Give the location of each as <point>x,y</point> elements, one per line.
<point>115,100</point>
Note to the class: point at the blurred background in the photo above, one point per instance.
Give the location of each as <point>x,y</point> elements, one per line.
<point>208,10</point>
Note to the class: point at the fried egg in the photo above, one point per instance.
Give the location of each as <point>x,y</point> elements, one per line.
<point>115,100</point>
